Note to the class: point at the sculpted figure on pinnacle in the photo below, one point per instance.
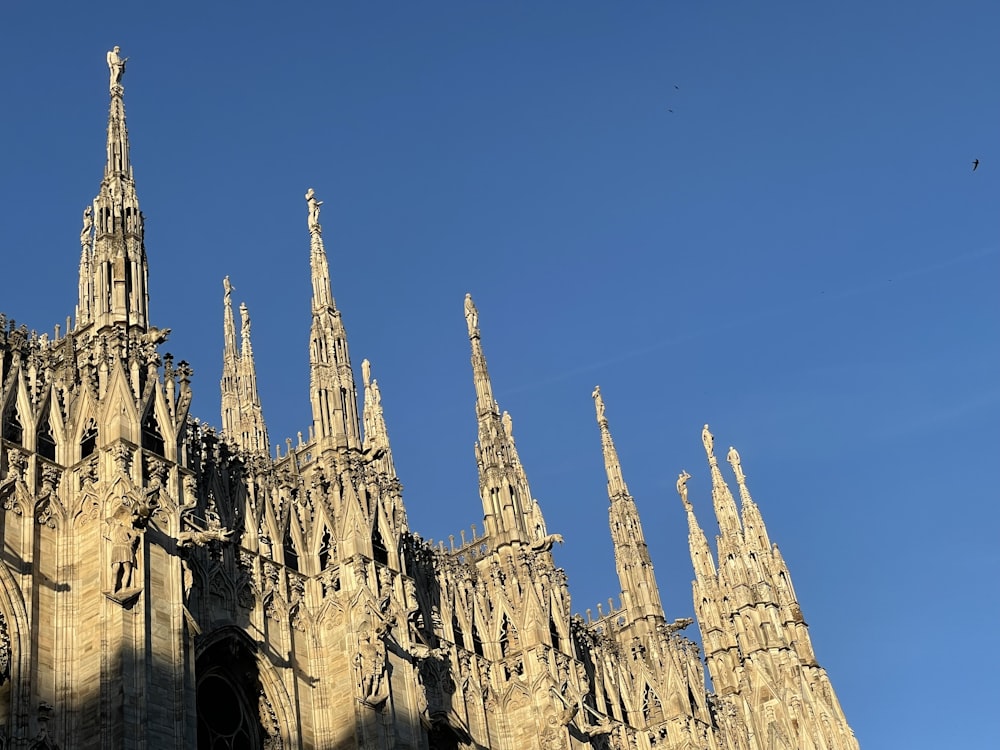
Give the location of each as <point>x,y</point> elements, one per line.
<point>314,205</point>
<point>116,64</point>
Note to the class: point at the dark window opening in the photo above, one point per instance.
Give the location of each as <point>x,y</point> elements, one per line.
<point>88,441</point>
<point>12,429</point>
<point>477,642</point>
<point>456,628</point>
<point>379,552</point>
<point>291,555</point>
<point>152,438</point>
<point>324,548</point>
<point>45,443</point>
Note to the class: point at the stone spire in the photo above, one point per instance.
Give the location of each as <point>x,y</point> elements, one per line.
<point>253,433</point>
<point>331,382</point>
<point>754,531</point>
<point>376,435</point>
<point>230,367</point>
<point>242,415</point>
<point>756,642</point>
<point>722,497</point>
<point>114,273</point>
<point>509,512</point>
<point>640,594</point>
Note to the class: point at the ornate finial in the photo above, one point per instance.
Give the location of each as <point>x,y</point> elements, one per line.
<point>471,316</point>
<point>682,489</point>
<point>733,457</point>
<point>708,441</point>
<point>366,372</point>
<point>116,64</point>
<point>314,205</point>
<point>599,404</point>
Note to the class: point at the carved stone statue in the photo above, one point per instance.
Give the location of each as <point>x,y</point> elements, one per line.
<point>370,661</point>
<point>682,489</point>
<point>366,371</point>
<point>707,440</point>
<point>508,424</point>
<point>314,205</point>
<point>471,315</point>
<point>598,403</point>
<point>123,537</point>
<point>227,288</point>
<point>116,64</point>
<point>88,224</point>
<point>733,457</point>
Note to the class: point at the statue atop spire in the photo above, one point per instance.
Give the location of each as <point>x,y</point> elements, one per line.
<point>116,64</point>
<point>599,404</point>
<point>733,457</point>
<point>471,317</point>
<point>682,489</point>
<point>708,441</point>
<point>314,204</point>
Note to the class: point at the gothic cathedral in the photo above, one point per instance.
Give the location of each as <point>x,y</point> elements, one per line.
<point>165,585</point>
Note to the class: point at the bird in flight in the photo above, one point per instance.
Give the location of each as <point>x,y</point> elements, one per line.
<point>975,164</point>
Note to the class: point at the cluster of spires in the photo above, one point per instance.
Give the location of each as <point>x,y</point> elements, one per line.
<point>113,292</point>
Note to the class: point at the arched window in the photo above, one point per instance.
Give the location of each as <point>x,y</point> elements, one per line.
<point>12,429</point>
<point>45,443</point>
<point>152,438</point>
<point>291,554</point>
<point>88,440</point>
<point>379,552</point>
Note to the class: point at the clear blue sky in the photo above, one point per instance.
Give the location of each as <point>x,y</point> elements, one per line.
<point>798,254</point>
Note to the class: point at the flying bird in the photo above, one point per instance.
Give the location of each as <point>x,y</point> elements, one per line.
<point>975,164</point>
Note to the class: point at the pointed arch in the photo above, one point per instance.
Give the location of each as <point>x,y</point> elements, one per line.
<point>13,427</point>
<point>152,435</point>
<point>228,659</point>
<point>45,438</point>
<point>14,639</point>
<point>380,553</point>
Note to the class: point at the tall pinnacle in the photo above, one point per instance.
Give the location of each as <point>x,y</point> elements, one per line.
<point>509,512</point>
<point>640,594</point>
<point>376,434</point>
<point>331,381</point>
<point>230,366</point>
<point>114,271</point>
<point>242,415</point>
<point>722,497</point>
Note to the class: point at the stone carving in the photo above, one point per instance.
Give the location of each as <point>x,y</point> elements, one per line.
<point>13,483</point>
<point>47,506</point>
<point>199,537</point>
<point>733,457</point>
<point>598,403</point>
<point>88,225</point>
<point>124,538</point>
<point>545,543</point>
<point>471,316</point>
<point>5,654</point>
<point>682,488</point>
<point>707,440</point>
<point>116,64</point>
<point>42,740</point>
<point>370,661</point>
<point>314,205</point>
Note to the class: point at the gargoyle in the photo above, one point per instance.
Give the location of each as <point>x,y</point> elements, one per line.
<point>545,543</point>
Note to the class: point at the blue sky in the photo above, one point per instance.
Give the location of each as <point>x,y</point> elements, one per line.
<point>798,254</point>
